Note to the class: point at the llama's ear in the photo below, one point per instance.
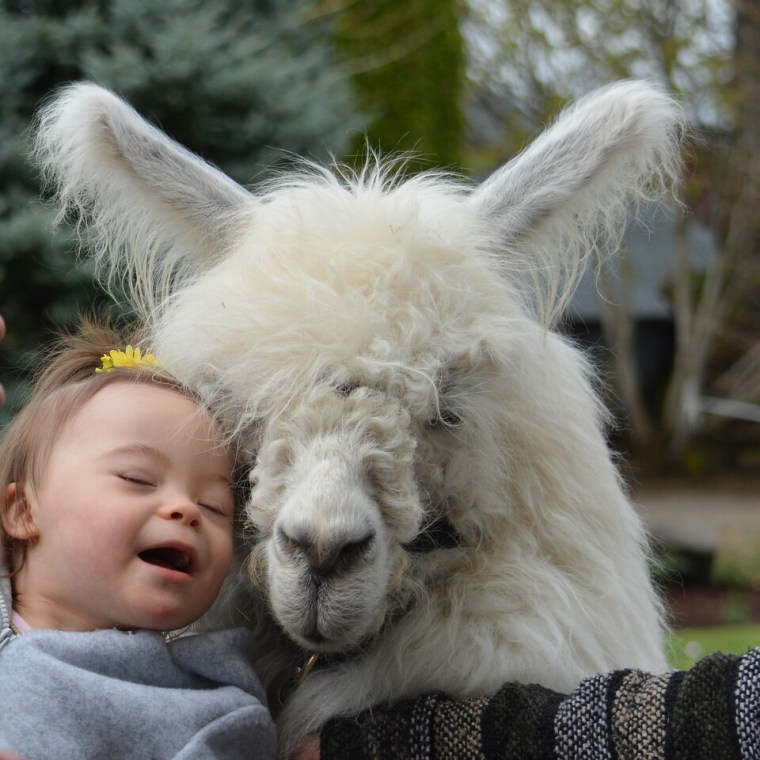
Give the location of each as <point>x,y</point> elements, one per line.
<point>567,195</point>
<point>155,211</point>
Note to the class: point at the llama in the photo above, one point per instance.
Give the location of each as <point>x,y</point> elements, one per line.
<point>433,504</point>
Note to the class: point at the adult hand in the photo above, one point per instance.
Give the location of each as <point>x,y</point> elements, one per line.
<point>307,749</point>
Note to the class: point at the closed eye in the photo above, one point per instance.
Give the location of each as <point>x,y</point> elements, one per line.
<point>218,498</point>
<point>216,509</point>
<point>346,389</point>
<point>137,479</point>
<point>446,417</point>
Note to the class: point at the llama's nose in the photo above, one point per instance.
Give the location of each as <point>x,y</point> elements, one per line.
<point>325,557</point>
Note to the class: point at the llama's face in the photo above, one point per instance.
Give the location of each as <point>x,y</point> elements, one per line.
<point>363,378</point>
<point>334,500</point>
<point>346,478</point>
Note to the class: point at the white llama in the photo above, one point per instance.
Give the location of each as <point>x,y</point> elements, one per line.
<point>433,502</point>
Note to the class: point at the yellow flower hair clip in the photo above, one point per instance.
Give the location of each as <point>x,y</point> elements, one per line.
<point>131,357</point>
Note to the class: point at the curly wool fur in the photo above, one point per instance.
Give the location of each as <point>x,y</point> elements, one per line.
<point>381,347</point>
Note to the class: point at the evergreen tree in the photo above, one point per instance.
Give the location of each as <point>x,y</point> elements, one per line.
<point>407,58</point>
<point>237,81</point>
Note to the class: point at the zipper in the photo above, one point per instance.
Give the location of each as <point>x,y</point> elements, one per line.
<point>6,633</point>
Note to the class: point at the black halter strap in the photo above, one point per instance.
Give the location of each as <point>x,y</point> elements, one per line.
<point>440,534</point>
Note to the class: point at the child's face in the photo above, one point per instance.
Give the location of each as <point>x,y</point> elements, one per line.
<point>131,525</point>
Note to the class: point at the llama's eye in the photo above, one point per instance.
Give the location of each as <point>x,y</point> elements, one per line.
<point>447,418</point>
<point>346,389</point>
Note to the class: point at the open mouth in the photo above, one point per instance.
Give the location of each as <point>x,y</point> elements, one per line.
<point>169,557</point>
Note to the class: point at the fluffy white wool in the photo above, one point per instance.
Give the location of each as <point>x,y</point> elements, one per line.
<point>383,348</point>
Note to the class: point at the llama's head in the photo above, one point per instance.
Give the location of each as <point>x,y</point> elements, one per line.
<point>374,342</point>
<point>364,367</point>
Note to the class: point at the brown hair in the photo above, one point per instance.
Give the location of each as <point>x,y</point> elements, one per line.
<point>66,380</point>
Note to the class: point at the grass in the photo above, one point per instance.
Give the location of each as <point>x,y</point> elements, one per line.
<point>691,644</point>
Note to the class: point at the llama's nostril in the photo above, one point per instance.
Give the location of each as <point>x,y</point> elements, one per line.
<point>288,544</point>
<point>352,552</point>
<point>339,557</point>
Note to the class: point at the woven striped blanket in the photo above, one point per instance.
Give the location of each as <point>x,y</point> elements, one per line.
<point>711,711</point>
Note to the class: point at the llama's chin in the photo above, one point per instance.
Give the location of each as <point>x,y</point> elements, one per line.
<point>331,635</point>
<point>317,643</point>
<point>330,619</point>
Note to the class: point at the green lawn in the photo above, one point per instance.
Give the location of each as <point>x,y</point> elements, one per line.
<point>691,644</point>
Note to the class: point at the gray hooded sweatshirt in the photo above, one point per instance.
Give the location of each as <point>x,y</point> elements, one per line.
<point>111,694</point>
